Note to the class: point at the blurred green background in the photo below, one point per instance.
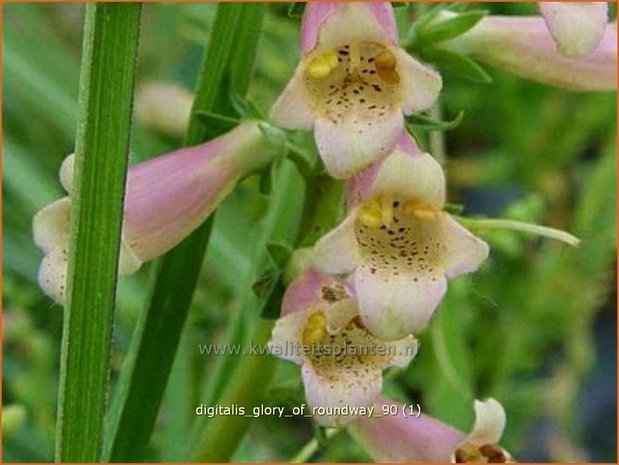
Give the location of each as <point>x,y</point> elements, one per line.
<point>534,328</point>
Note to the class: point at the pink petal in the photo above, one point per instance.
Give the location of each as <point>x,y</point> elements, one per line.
<point>393,307</point>
<point>490,420</point>
<point>66,173</point>
<point>287,337</point>
<point>420,84</point>
<point>577,28</point>
<point>353,144</point>
<point>522,46</point>
<point>344,387</point>
<point>292,109</point>
<point>465,252</point>
<point>360,185</point>
<point>51,225</point>
<point>395,438</point>
<point>169,196</point>
<point>416,176</point>
<point>317,13</point>
<point>312,289</point>
<point>53,274</point>
<point>336,252</point>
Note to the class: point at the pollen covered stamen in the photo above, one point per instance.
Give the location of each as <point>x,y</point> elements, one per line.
<point>322,65</point>
<point>315,328</point>
<point>359,78</point>
<point>385,67</point>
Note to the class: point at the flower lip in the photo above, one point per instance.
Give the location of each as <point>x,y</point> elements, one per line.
<point>577,28</point>
<point>482,444</point>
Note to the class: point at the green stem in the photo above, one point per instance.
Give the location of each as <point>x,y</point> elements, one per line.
<point>309,449</point>
<point>217,441</point>
<point>246,388</point>
<point>157,336</point>
<point>102,143</point>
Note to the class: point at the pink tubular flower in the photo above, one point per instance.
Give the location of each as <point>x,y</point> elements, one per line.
<point>523,46</point>
<point>352,84</point>
<point>396,438</point>
<point>341,361</point>
<point>576,27</point>
<point>166,198</point>
<point>399,242</point>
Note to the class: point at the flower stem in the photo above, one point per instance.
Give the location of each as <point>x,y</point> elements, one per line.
<point>102,143</point>
<point>309,449</point>
<point>437,138</point>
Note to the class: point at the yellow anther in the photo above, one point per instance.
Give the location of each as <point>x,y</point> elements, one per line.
<point>419,210</point>
<point>385,60</point>
<point>371,214</point>
<point>385,63</point>
<point>425,214</point>
<point>318,69</point>
<point>390,76</point>
<point>322,65</point>
<point>315,328</point>
<point>330,58</point>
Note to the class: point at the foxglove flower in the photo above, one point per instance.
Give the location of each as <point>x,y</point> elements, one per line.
<point>341,361</point>
<point>352,84</point>
<point>523,46</point>
<point>396,438</point>
<point>576,27</point>
<point>399,242</point>
<point>166,198</point>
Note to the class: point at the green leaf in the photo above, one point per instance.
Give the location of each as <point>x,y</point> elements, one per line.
<point>102,145</point>
<point>457,63</point>
<point>444,29</point>
<point>230,54</point>
<point>425,123</point>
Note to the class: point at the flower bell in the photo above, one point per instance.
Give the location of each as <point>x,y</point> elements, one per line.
<point>341,360</point>
<point>353,84</point>
<point>166,198</point>
<point>523,46</point>
<point>396,438</point>
<point>399,242</point>
<point>576,27</point>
